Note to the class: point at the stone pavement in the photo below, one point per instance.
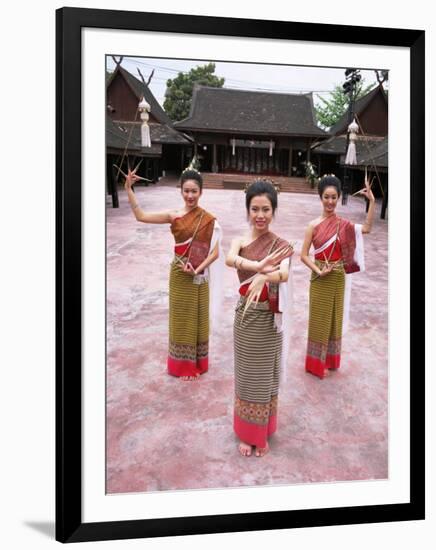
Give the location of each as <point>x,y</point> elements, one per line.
<point>165,434</point>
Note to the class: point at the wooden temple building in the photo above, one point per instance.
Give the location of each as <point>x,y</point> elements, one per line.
<point>169,148</point>
<point>238,135</point>
<point>247,133</point>
<point>371,115</point>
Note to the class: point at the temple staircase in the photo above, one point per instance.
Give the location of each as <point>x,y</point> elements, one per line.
<point>239,181</point>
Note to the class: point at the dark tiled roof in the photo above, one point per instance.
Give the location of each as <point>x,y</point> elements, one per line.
<point>162,133</point>
<point>369,150</point>
<point>378,155</point>
<point>332,146</point>
<point>243,111</point>
<point>359,106</point>
<point>118,134</point>
<point>142,90</point>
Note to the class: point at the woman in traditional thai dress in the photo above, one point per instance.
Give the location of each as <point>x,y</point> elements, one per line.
<point>197,237</point>
<point>261,259</point>
<point>338,245</point>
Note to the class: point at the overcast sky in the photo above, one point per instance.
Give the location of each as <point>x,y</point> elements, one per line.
<point>245,76</point>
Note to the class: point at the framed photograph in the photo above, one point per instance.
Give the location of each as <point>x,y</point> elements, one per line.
<point>141,453</point>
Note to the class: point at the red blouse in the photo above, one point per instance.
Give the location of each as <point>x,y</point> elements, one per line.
<point>243,289</point>
<point>335,255</point>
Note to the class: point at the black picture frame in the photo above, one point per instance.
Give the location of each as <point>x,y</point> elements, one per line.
<point>69,524</point>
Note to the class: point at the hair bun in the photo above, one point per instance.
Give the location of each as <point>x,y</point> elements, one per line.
<point>263,180</point>
<point>329,180</point>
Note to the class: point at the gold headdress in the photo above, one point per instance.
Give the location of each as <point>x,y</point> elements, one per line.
<point>264,180</point>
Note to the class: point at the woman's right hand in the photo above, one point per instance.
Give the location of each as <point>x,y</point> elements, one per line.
<point>255,289</point>
<point>131,179</point>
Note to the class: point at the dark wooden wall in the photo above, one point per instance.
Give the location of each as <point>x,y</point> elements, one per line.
<point>374,119</point>
<point>122,98</point>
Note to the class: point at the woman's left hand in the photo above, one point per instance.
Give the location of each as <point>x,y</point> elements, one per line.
<point>271,262</point>
<point>366,191</point>
<point>131,179</point>
<point>187,268</point>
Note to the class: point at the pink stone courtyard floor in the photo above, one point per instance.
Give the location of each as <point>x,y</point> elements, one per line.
<point>165,434</point>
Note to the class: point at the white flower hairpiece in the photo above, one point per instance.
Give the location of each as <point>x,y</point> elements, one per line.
<point>189,169</point>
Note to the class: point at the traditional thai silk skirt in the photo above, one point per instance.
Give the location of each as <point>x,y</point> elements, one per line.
<point>188,324</point>
<point>257,349</point>
<point>326,302</point>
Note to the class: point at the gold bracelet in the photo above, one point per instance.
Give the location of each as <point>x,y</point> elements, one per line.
<point>280,276</point>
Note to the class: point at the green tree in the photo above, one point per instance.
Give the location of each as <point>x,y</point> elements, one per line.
<point>332,108</point>
<point>178,95</point>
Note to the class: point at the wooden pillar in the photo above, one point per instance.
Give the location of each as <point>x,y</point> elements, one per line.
<point>214,163</point>
<point>308,151</point>
<point>195,149</point>
<point>182,159</point>
<point>290,161</point>
<point>111,181</point>
<point>385,197</point>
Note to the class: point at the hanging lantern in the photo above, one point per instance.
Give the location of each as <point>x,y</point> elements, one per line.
<point>271,147</point>
<point>351,157</point>
<point>233,146</point>
<point>144,108</point>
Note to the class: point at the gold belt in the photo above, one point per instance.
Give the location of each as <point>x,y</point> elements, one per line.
<point>337,266</point>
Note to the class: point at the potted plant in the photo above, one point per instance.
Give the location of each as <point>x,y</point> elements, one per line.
<point>311,175</point>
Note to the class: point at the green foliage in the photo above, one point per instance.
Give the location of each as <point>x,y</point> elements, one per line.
<point>336,105</point>
<point>178,95</point>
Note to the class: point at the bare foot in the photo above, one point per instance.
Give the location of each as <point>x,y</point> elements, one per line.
<point>244,449</point>
<point>189,378</point>
<point>261,451</point>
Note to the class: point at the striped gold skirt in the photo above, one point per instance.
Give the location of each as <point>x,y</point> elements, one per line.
<point>257,354</point>
<point>326,308</point>
<point>188,324</point>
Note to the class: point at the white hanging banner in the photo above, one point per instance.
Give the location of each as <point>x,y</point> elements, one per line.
<point>351,157</point>
<point>144,108</point>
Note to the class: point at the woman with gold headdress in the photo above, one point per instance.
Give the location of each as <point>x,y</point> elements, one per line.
<point>261,259</point>
<point>338,245</point>
<point>197,244</point>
